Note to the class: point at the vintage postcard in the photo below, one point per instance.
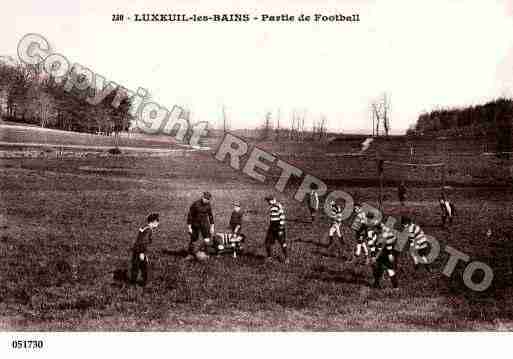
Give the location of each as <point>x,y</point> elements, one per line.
<point>259,166</point>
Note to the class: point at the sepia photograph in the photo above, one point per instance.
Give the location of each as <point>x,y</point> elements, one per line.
<point>263,166</point>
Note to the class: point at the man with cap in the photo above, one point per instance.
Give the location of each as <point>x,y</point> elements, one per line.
<point>276,230</point>
<point>200,221</point>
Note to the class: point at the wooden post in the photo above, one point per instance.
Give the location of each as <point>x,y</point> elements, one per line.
<point>443,176</point>
<point>380,165</point>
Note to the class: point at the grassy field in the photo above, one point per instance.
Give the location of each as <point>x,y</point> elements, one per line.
<point>21,133</point>
<point>68,224</point>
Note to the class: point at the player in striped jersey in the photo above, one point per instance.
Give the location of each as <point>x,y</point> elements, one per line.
<point>276,230</point>
<point>336,217</point>
<point>381,241</point>
<point>359,226</point>
<point>228,242</point>
<point>448,210</point>
<point>312,199</point>
<point>419,245</point>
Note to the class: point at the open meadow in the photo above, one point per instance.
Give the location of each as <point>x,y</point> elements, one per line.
<point>68,224</point>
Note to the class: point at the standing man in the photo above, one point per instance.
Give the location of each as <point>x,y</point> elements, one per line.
<point>419,245</point>
<point>313,201</point>
<point>401,193</point>
<point>236,218</point>
<point>383,254</point>
<point>359,227</point>
<point>140,250</point>
<point>200,220</point>
<point>276,231</point>
<point>336,222</point>
<point>448,210</point>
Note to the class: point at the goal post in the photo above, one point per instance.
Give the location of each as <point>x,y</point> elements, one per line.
<point>395,172</point>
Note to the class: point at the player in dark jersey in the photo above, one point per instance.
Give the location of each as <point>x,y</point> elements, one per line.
<point>200,222</point>
<point>236,218</point>
<point>140,250</point>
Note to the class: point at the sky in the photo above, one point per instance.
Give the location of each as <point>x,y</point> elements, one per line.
<point>424,54</point>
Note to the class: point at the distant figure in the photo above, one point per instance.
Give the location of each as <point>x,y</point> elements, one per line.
<point>448,209</point>
<point>313,201</point>
<point>140,250</point>
<point>401,192</point>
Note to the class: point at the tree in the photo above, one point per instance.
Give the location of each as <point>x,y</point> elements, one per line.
<point>277,130</point>
<point>380,112</point>
<point>266,131</point>
<point>226,125</point>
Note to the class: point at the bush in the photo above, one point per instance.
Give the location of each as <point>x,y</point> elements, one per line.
<point>114,151</point>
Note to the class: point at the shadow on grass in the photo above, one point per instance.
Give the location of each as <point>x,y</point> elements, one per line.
<point>315,243</point>
<point>176,253</point>
<point>348,276</point>
<point>297,220</point>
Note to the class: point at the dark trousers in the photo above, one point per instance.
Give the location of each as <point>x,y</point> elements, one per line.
<point>446,217</point>
<point>275,234</point>
<point>198,232</point>
<point>313,213</point>
<point>139,265</point>
<point>382,264</point>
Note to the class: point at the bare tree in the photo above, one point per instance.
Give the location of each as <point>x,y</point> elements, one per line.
<point>322,127</point>
<point>267,126</point>
<point>226,125</point>
<point>380,111</point>
<point>278,129</point>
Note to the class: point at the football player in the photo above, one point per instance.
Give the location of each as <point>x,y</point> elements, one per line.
<point>276,230</point>
<point>381,243</point>
<point>419,245</point>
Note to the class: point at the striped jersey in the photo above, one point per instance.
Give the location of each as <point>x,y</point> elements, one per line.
<point>227,239</point>
<point>277,214</point>
<point>313,200</point>
<point>417,237</point>
<point>336,213</point>
<point>386,242</point>
<point>359,220</point>
<point>372,241</point>
<point>447,208</point>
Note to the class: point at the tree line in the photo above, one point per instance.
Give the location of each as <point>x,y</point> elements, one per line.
<point>29,95</point>
<point>493,119</point>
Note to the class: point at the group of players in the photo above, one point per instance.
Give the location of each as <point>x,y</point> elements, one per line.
<point>375,241</point>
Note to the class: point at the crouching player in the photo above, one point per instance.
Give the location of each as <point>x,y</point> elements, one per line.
<point>226,243</point>
<point>140,250</point>
<point>381,243</point>
<point>419,245</point>
<point>336,222</point>
<point>276,230</point>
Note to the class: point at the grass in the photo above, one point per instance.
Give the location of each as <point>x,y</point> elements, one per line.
<point>20,133</point>
<point>67,229</point>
